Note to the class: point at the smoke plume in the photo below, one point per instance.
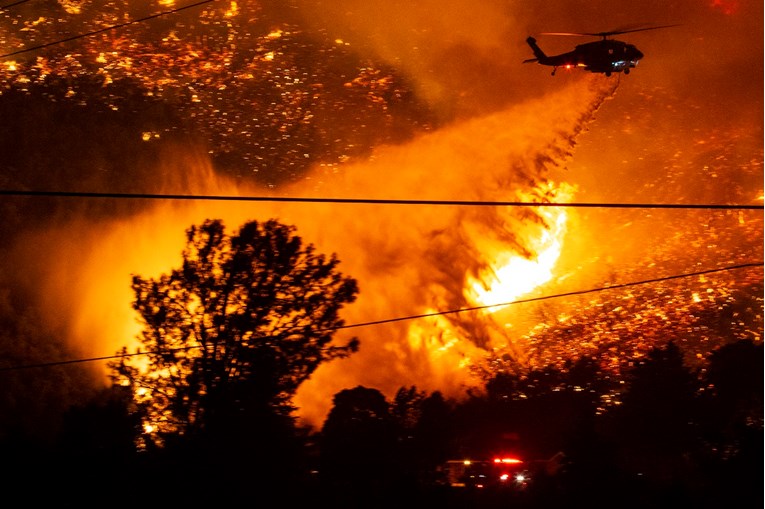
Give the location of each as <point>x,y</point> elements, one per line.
<point>503,132</point>
<point>409,260</point>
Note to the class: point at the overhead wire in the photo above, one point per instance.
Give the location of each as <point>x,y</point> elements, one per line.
<point>12,4</point>
<point>65,194</point>
<point>410,317</point>
<point>373,201</point>
<point>556,296</point>
<point>105,29</point>
<point>11,192</point>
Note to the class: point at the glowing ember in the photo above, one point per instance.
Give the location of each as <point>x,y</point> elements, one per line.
<point>325,99</point>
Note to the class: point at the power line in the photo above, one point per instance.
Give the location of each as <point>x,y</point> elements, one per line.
<point>13,4</point>
<point>105,29</point>
<point>559,295</point>
<point>285,199</point>
<point>414,317</point>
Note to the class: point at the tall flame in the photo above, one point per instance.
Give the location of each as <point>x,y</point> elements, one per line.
<point>511,275</point>
<point>409,261</point>
<point>505,140</point>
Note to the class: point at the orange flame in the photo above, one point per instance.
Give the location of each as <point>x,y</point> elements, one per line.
<point>408,260</point>
<point>511,275</point>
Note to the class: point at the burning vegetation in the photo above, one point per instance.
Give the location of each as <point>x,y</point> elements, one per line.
<point>635,327</point>
<point>249,97</point>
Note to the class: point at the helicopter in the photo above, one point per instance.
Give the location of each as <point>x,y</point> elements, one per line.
<point>605,56</point>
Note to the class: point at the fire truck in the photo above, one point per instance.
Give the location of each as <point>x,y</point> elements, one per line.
<point>504,472</point>
<point>511,473</point>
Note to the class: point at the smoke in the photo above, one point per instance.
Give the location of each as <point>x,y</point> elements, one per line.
<point>505,136</point>
<point>409,260</point>
<point>413,260</point>
<point>461,55</point>
<point>465,56</point>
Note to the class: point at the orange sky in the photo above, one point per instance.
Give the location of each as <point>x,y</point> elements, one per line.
<point>685,126</point>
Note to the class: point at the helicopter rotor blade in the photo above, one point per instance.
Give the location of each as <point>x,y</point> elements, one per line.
<point>564,33</point>
<point>606,34</point>
<point>617,32</point>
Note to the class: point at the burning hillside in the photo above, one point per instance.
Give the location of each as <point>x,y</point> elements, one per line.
<point>245,98</point>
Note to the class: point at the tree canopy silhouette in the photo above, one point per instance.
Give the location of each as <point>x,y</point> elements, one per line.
<point>234,332</point>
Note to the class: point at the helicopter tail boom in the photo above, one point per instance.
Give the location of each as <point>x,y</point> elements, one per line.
<point>538,53</point>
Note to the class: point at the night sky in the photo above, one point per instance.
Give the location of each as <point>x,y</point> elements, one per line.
<point>383,100</point>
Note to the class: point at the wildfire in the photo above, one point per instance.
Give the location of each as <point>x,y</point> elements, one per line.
<point>259,105</point>
<point>510,275</point>
<point>233,10</point>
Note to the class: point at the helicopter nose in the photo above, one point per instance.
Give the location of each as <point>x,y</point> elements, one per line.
<point>638,54</point>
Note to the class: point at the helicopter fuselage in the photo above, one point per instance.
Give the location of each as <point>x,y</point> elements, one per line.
<point>606,56</point>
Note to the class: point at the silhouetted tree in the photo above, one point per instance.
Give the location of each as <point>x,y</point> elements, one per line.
<point>229,337</point>
<point>425,435</point>
<point>358,447</point>
<point>534,414</point>
<point>406,410</point>
<point>406,407</point>
<point>732,424</point>
<point>654,428</point>
<point>735,375</point>
<point>98,436</point>
<point>434,435</point>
